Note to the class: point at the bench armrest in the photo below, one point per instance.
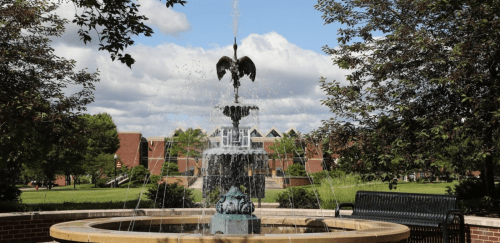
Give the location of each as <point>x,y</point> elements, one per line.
<point>449,220</point>
<point>337,210</point>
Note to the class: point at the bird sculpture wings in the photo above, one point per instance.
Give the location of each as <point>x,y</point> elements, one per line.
<point>224,63</point>
<point>244,66</point>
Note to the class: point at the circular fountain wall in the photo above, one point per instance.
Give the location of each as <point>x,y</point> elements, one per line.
<point>194,228</point>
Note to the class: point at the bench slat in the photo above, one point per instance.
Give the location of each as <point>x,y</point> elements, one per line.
<point>411,209</point>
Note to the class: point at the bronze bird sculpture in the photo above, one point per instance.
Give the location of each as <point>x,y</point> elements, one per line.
<point>237,67</point>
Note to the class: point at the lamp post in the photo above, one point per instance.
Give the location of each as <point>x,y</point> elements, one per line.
<point>116,157</point>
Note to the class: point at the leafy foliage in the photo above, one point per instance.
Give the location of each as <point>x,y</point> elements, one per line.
<point>39,123</point>
<point>9,193</point>
<point>298,197</point>
<point>153,179</point>
<point>99,165</point>
<point>472,197</point>
<point>170,169</point>
<point>296,170</point>
<point>102,134</point>
<point>189,144</point>
<point>101,182</point>
<point>139,173</point>
<point>285,148</point>
<point>424,95</point>
<point>171,196</point>
<point>116,22</point>
<point>213,196</point>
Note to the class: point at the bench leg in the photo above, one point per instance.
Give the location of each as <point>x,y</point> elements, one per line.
<point>461,236</point>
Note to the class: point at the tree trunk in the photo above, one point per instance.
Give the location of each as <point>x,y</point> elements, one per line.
<point>489,176</point>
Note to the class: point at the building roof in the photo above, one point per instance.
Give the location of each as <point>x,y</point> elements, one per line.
<point>155,138</point>
<point>273,133</point>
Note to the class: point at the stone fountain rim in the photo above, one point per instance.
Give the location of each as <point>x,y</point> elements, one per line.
<point>369,231</point>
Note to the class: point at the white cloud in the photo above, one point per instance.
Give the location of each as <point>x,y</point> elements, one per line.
<point>167,20</point>
<point>171,85</point>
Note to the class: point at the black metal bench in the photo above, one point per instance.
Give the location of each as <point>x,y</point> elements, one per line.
<point>410,209</point>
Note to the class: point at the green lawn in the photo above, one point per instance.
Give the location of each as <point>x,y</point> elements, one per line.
<point>347,193</point>
<point>87,195</point>
<point>83,193</point>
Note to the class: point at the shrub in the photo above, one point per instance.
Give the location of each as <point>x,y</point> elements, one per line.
<point>170,169</point>
<point>213,197</point>
<point>467,189</point>
<point>153,179</point>
<point>10,200</point>
<point>298,197</point>
<point>329,204</point>
<point>139,173</point>
<point>9,193</point>
<point>84,180</point>
<point>101,182</point>
<point>7,207</point>
<point>296,170</point>
<point>470,194</point>
<point>176,196</point>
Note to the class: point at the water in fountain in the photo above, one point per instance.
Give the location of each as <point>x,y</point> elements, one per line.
<point>234,162</point>
<point>236,15</point>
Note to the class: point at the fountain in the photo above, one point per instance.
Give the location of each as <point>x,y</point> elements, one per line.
<point>225,166</point>
<point>233,163</point>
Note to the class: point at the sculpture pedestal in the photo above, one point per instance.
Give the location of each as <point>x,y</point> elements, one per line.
<point>235,224</point>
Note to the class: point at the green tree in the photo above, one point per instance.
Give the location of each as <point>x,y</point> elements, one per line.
<point>116,22</point>
<point>102,134</point>
<point>169,169</point>
<point>296,170</point>
<point>285,148</point>
<point>424,92</point>
<point>102,142</point>
<point>139,173</point>
<point>34,110</point>
<point>189,144</point>
<point>97,166</point>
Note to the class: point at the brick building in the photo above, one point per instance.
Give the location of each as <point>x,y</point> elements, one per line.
<point>152,152</point>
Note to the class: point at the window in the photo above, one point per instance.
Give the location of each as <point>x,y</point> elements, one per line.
<point>216,133</point>
<point>144,152</point>
<point>273,134</point>
<point>257,145</point>
<point>255,134</point>
<point>226,138</point>
<point>244,138</point>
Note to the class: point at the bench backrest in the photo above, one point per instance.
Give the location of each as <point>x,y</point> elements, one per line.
<point>404,205</point>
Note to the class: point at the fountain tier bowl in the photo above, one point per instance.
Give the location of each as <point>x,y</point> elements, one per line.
<point>275,229</point>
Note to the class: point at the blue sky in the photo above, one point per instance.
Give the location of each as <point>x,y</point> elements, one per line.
<point>173,82</point>
<point>212,23</point>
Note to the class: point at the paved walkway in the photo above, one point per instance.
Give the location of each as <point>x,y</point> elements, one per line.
<point>271,184</point>
<point>32,188</point>
<point>198,184</point>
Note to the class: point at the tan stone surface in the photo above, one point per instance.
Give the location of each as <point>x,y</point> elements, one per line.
<point>364,230</point>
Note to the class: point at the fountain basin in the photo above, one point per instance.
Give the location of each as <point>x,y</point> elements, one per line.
<point>340,230</point>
